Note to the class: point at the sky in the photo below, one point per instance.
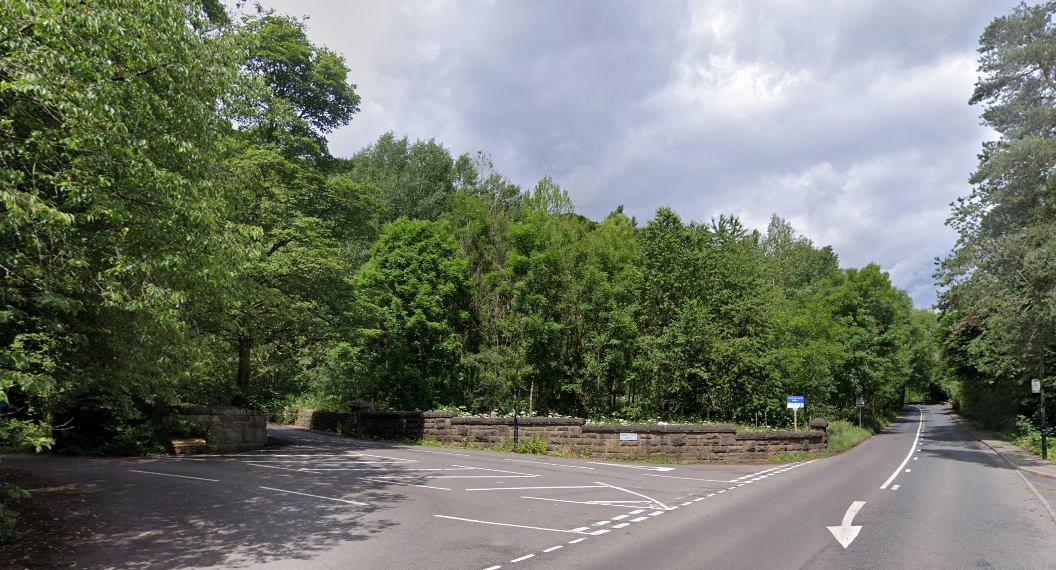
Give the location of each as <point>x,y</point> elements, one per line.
<point>848,118</point>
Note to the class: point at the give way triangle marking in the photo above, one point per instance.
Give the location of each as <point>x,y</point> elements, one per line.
<point>845,533</point>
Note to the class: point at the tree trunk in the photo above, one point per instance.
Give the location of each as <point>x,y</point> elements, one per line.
<point>245,343</point>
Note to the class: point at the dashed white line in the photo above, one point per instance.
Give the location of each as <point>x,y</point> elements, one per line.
<point>686,504</point>
<point>637,511</point>
<point>601,523</point>
<point>600,532</point>
<point>621,525</point>
<point>895,487</point>
<point>173,475</point>
<point>576,541</point>
<point>523,558</point>
<point>640,519</point>
<point>553,548</point>
<point>619,517</point>
<point>908,470</point>
<point>493,568</point>
<point>655,513</point>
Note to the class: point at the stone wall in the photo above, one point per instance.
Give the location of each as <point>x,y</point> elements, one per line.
<point>680,443</point>
<point>228,427</point>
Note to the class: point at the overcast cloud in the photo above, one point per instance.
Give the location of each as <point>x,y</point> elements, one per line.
<point>847,118</point>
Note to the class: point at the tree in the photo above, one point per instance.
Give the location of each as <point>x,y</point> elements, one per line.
<point>1000,277</point>
<point>110,149</point>
<point>414,297</point>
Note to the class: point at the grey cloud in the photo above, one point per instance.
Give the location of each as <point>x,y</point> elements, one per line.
<point>849,118</point>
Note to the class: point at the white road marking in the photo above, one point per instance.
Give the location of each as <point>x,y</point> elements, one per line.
<point>301,470</point>
<point>908,470</point>
<point>384,480</point>
<point>640,519</point>
<point>656,502</point>
<point>553,548</point>
<point>493,568</point>
<point>845,533</point>
<point>686,504</point>
<point>691,478</point>
<point>440,453</point>
<point>533,488</point>
<point>172,475</point>
<point>645,467</point>
<point>621,525</point>
<point>554,464</point>
<point>600,523</point>
<point>895,487</point>
<point>600,532</point>
<point>618,504</point>
<point>637,512</point>
<point>576,541</point>
<point>655,513</point>
<point>522,558</point>
<point>573,531</point>
<point>619,517</point>
<point>318,497</point>
<point>911,451</point>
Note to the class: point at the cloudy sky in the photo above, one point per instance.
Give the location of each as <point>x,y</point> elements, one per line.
<point>848,118</point>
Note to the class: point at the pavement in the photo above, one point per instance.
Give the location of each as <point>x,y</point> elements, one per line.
<point>1016,456</point>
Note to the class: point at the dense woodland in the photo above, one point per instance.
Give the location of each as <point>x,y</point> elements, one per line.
<point>176,231</point>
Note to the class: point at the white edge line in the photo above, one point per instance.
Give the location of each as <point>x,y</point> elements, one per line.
<point>172,475</point>
<point>1048,507</point>
<point>317,496</point>
<point>911,451</point>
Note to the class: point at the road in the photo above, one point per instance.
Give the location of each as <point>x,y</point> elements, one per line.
<point>922,494</point>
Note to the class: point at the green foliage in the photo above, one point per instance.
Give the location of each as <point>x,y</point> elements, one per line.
<point>536,444</point>
<point>999,309</point>
<point>845,435</point>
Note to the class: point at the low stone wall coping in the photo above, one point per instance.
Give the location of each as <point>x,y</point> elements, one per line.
<point>720,428</point>
<point>520,421</point>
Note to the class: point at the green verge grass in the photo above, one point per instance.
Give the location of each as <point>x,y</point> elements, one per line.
<point>843,435</point>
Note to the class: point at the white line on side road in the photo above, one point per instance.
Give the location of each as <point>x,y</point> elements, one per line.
<point>658,504</point>
<point>895,487</point>
<point>573,531</point>
<point>357,503</point>
<point>522,558</point>
<point>172,475</point>
<point>576,541</point>
<point>645,467</point>
<point>389,482</point>
<point>617,504</point>
<point>532,488</point>
<point>920,426</point>
<point>621,525</point>
<point>553,548</point>
<point>554,464</point>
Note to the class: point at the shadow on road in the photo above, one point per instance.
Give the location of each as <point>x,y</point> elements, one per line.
<point>169,522</point>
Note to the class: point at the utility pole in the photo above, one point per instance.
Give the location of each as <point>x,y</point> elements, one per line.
<point>1038,388</point>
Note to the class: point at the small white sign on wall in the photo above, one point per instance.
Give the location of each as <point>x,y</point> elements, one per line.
<point>628,437</point>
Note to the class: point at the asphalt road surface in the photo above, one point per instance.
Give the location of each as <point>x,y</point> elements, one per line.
<point>922,494</point>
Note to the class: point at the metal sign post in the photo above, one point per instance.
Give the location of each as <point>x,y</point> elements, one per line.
<point>515,391</point>
<point>796,403</point>
<point>1036,387</point>
<point>861,404</point>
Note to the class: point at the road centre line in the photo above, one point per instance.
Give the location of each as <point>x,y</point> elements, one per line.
<point>554,464</point>
<point>357,503</point>
<point>912,450</point>
<point>576,541</point>
<point>553,548</point>
<point>174,475</point>
<point>573,531</point>
<point>621,525</point>
<point>493,568</point>
<point>522,558</point>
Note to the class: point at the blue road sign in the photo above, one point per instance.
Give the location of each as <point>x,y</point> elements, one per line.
<point>796,402</point>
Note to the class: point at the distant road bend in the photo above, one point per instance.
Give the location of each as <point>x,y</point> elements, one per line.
<point>922,494</point>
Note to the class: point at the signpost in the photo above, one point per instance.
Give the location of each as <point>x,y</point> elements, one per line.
<point>861,404</point>
<point>515,391</point>
<point>1035,387</point>
<point>796,403</point>
<point>628,437</point>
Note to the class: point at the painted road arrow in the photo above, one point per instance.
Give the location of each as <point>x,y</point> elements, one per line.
<point>846,533</point>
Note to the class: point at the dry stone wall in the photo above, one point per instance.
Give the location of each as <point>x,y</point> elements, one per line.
<point>679,443</point>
